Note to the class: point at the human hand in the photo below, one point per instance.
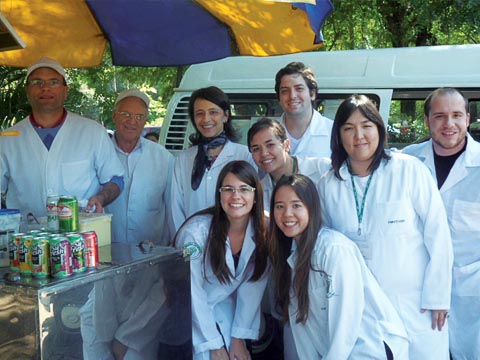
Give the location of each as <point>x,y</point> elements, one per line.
<point>238,350</point>
<point>95,204</point>
<point>219,354</point>
<point>119,350</point>
<point>439,317</point>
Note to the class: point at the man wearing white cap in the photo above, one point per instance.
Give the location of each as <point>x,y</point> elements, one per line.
<point>57,152</point>
<point>141,212</point>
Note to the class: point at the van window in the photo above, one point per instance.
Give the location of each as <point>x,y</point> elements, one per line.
<point>406,120</point>
<point>246,110</point>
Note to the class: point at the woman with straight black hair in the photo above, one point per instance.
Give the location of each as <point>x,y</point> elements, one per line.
<point>323,288</point>
<point>389,205</point>
<point>197,168</point>
<point>229,265</point>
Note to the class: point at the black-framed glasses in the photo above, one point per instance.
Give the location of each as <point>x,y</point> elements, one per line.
<point>128,115</point>
<point>243,189</point>
<point>50,83</point>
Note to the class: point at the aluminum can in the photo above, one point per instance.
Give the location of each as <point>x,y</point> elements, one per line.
<point>91,249</point>
<point>77,242</point>
<point>40,256</point>
<point>35,232</point>
<point>25,255</point>
<point>60,256</point>
<point>13,251</point>
<point>52,212</point>
<point>68,219</point>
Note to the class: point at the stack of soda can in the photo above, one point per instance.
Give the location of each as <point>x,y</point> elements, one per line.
<point>60,250</point>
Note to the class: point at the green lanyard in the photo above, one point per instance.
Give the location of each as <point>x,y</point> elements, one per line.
<point>360,210</point>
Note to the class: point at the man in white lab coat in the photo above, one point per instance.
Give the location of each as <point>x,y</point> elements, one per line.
<point>57,152</point>
<point>142,211</point>
<point>453,158</point>
<point>307,130</point>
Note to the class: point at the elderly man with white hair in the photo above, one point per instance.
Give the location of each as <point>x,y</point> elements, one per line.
<point>140,212</point>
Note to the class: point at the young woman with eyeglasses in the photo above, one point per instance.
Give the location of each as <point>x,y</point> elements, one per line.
<point>323,288</point>
<point>228,262</point>
<point>214,145</point>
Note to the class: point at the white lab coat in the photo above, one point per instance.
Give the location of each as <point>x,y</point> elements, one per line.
<point>405,241</point>
<point>131,311</point>
<point>315,142</point>
<point>314,168</point>
<point>349,315</point>
<point>186,201</point>
<point>234,307</point>
<point>80,159</point>
<point>142,211</point>
<point>462,203</point>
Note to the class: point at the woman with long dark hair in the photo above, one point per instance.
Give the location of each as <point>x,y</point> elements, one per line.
<point>214,145</point>
<point>228,262</point>
<point>389,205</point>
<point>323,288</point>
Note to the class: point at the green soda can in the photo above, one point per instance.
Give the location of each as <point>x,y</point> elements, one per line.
<point>25,255</point>
<point>60,256</point>
<point>68,219</point>
<point>13,251</point>
<point>40,256</point>
<point>77,244</point>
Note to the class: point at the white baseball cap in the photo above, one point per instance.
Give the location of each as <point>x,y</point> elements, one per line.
<point>133,93</point>
<point>46,62</point>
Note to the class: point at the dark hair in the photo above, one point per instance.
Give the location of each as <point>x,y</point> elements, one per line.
<point>155,134</point>
<point>219,98</point>
<point>345,110</point>
<point>280,245</point>
<point>440,92</point>
<point>218,231</point>
<point>297,67</point>
<point>266,123</point>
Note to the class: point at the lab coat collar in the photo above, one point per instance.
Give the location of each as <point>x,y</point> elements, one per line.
<point>317,125</point>
<point>291,260</point>
<point>248,248</point>
<point>227,152</point>
<point>138,145</point>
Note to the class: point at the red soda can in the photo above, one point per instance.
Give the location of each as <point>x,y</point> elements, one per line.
<point>91,249</point>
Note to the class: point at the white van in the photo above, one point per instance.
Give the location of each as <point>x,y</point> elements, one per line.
<point>397,79</point>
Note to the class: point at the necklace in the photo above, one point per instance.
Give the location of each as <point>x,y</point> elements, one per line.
<point>358,208</point>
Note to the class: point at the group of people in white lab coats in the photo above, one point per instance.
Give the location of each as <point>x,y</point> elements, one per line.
<point>366,253</point>
<point>360,254</point>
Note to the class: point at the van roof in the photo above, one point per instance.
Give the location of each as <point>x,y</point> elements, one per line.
<point>429,66</point>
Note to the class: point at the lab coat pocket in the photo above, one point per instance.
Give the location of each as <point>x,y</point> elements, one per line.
<point>77,177</point>
<point>153,197</point>
<point>467,280</point>
<point>397,217</point>
<point>465,215</point>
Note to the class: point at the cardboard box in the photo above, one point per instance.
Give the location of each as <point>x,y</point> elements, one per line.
<point>100,223</point>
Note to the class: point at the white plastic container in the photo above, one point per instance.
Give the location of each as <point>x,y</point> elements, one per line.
<point>9,223</point>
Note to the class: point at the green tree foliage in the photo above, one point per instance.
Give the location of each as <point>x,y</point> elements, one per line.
<point>399,23</point>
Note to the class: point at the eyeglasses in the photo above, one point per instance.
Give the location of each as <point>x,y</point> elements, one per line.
<point>128,115</point>
<point>242,190</point>
<point>50,83</point>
